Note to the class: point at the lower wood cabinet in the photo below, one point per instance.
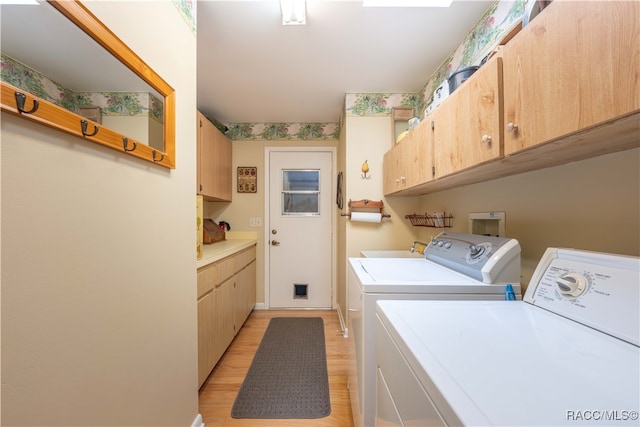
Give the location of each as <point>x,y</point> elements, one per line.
<point>226,297</point>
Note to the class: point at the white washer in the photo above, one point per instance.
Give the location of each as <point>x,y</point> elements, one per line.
<point>566,355</point>
<point>456,266</point>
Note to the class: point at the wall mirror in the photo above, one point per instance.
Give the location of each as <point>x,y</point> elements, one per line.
<point>63,68</point>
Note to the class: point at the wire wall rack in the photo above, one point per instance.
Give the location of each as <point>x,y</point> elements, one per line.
<point>436,220</point>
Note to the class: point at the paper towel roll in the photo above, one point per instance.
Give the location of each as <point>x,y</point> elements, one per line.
<point>366,217</point>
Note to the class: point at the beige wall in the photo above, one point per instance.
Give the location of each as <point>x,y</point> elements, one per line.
<point>368,138</point>
<point>246,205</point>
<point>592,204</point>
<point>98,263</point>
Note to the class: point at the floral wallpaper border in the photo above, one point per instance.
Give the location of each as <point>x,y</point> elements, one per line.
<point>284,131</point>
<point>188,11</point>
<point>111,103</point>
<point>499,19</point>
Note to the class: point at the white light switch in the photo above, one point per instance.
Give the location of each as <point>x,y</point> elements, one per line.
<point>252,222</point>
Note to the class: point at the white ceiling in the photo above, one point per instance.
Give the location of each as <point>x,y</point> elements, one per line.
<point>251,68</point>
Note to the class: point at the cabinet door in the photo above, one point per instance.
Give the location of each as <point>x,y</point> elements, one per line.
<point>245,297</point>
<point>417,157</point>
<point>467,125</point>
<point>214,162</point>
<point>222,168</point>
<point>224,321</point>
<point>391,170</point>
<point>206,351</point>
<point>572,67</point>
<point>409,162</point>
<point>206,156</point>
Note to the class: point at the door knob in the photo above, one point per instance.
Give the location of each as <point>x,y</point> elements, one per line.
<point>275,243</point>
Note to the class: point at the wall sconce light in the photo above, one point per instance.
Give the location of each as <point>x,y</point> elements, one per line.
<point>293,12</point>
<point>365,170</point>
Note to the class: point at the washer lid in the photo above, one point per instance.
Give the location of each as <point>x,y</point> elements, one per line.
<point>510,363</point>
<point>417,276</point>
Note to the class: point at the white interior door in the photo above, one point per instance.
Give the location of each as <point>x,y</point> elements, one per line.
<point>300,229</point>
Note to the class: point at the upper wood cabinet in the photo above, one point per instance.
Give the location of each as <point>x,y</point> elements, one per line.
<point>214,162</point>
<point>468,124</point>
<point>409,162</point>
<point>565,88</point>
<point>573,67</point>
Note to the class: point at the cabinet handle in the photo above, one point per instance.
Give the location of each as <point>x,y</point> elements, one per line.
<point>512,127</point>
<point>486,139</point>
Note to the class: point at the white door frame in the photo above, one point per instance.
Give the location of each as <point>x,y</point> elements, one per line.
<point>334,213</point>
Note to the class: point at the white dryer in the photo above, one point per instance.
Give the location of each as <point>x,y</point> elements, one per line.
<point>566,355</point>
<point>456,267</point>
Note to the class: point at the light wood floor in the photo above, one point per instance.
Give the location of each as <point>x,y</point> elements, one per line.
<point>220,389</point>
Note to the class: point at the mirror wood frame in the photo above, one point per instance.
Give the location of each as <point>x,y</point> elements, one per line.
<point>59,118</point>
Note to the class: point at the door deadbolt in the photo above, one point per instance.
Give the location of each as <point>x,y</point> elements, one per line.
<point>274,231</point>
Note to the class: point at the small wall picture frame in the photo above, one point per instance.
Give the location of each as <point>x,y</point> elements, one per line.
<point>247,179</point>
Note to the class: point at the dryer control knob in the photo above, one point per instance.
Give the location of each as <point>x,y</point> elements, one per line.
<point>571,285</point>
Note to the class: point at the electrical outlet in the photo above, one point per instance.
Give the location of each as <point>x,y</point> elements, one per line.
<point>252,222</point>
<point>258,222</point>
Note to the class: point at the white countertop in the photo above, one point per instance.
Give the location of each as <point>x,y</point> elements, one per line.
<point>216,251</point>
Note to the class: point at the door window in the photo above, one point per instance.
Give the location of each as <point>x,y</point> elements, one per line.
<point>300,192</point>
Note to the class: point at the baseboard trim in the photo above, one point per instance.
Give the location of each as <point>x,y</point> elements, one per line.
<point>343,325</point>
<point>197,422</point>
<point>259,306</point>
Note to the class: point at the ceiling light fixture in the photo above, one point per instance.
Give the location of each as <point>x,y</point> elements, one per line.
<point>407,3</point>
<point>293,12</point>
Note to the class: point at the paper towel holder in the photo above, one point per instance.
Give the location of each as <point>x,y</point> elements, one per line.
<point>366,204</point>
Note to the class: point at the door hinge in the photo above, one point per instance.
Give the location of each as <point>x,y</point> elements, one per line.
<point>200,123</point>
<point>433,171</point>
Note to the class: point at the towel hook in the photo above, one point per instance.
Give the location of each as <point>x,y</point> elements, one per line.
<point>125,144</point>
<point>84,124</point>
<point>21,98</point>
<point>154,156</point>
